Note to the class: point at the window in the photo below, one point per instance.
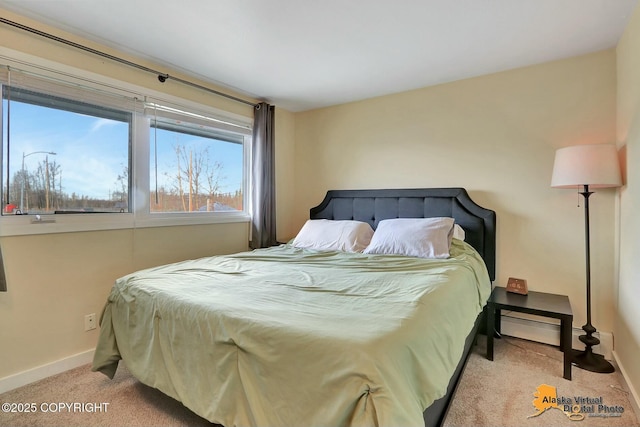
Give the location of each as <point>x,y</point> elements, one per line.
<point>62,155</point>
<point>194,167</point>
<point>76,146</point>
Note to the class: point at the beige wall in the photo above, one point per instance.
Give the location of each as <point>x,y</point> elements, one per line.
<point>627,324</point>
<point>285,174</point>
<point>496,135</point>
<point>55,279</point>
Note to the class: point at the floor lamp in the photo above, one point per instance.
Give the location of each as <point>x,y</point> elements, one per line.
<point>585,167</point>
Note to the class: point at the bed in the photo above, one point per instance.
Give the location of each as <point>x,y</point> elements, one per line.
<point>288,336</point>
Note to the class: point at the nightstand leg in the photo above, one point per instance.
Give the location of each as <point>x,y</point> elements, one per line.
<point>491,320</point>
<point>565,345</point>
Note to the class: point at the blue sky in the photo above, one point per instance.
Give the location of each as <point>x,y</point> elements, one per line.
<point>92,151</point>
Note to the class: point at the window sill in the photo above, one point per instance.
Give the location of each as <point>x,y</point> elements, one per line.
<point>20,225</point>
<point>195,218</point>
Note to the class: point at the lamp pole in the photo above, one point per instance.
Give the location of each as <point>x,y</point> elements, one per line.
<point>24,178</point>
<point>587,359</point>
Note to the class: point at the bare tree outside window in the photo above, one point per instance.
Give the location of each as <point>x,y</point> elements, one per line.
<point>194,178</point>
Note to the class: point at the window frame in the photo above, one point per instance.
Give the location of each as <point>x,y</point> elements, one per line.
<point>140,215</point>
<point>40,97</point>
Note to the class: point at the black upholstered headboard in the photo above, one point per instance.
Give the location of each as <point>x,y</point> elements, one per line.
<point>373,206</point>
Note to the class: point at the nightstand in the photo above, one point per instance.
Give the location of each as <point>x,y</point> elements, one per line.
<point>538,303</point>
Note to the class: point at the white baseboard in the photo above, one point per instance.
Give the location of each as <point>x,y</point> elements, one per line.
<point>38,373</point>
<point>635,397</point>
<point>545,330</point>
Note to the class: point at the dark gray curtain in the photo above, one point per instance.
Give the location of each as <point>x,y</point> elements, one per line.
<point>263,185</point>
<point>3,279</point>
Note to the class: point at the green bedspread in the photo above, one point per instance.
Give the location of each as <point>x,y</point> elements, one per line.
<point>291,337</point>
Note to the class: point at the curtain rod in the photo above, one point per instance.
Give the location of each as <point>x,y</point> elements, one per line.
<point>162,77</point>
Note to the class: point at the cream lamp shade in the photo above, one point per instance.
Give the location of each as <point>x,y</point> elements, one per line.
<point>595,165</point>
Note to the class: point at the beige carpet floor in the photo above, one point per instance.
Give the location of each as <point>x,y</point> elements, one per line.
<point>498,393</point>
<point>501,393</point>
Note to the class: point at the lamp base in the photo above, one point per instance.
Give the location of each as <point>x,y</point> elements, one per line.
<point>590,361</point>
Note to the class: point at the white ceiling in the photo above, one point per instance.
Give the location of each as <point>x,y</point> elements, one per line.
<point>303,54</point>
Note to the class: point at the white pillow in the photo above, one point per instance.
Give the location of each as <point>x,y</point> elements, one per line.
<point>328,235</point>
<point>458,232</point>
<point>417,237</point>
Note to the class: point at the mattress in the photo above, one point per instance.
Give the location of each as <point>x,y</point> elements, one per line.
<point>285,336</point>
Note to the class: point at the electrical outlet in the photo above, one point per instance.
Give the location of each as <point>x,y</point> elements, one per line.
<point>90,322</point>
